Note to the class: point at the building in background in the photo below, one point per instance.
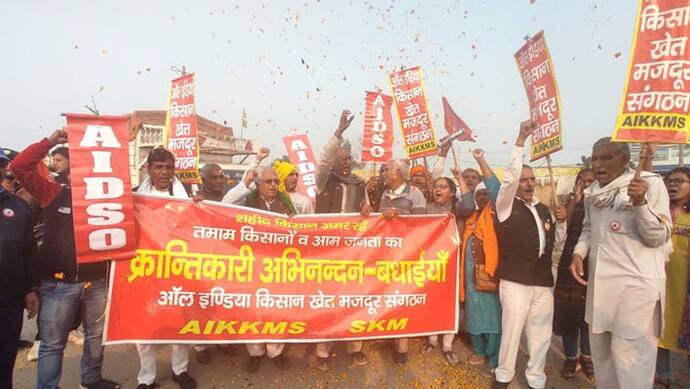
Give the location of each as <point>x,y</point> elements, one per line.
<point>217,144</point>
<point>667,157</point>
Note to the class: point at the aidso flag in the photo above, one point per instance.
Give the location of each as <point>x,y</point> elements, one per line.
<point>377,144</point>
<point>101,187</point>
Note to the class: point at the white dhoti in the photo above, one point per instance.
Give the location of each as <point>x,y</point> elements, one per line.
<point>529,308</point>
<point>401,345</point>
<point>621,363</point>
<point>270,349</point>
<point>323,350</point>
<point>447,340</point>
<point>147,359</point>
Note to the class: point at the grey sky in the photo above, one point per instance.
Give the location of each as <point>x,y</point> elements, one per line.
<point>249,54</point>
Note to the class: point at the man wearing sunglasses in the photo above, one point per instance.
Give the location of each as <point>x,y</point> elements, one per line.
<point>266,197</point>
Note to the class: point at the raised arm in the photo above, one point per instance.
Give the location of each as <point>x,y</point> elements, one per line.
<point>440,164</point>
<point>652,211</point>
<point>42,188</point>
<point>457,173</point>
<point>478,155</point>
<point>328,154</point>
<point>239,193</point>
<point>511,179</point>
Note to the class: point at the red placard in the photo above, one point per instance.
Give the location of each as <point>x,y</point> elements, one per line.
<point>536,69</point>
<point>377,146</point>
<point>302,155</point>
<point>413,113</point>
<point>656,99</point>
<point>181,135</point>
<point>207,273</point>
<point>101,187</point>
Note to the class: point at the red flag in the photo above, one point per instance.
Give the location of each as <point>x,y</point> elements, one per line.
<point>101,188</point>
<point>453,123</point>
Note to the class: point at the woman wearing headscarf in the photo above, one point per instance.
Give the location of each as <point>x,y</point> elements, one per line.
<point>478,264</point>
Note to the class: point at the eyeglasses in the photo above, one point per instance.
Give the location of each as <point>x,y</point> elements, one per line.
<point>441,187</point>
<point>272,181</point>
<point>676,182</point>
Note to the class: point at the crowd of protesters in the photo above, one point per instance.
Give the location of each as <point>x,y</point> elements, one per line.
<point>606,269</point>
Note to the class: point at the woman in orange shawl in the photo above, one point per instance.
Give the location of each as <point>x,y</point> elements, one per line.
<point>482,313</point>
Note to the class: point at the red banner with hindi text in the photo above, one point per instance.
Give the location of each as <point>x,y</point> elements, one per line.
<point>656,99</point>
<point>377,143</point>
<point>536,70</point>
<point>101,187</point>
<point>214,273</point>
<point>181,134</point>
<point>419,139</point>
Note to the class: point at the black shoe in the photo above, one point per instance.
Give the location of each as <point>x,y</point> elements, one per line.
<point>400,358</point>
<point>587,367</point>
<point>203,356</point>
<point>228,349</point>
<point>324,364</point>
<point>144,386</point>
<point>184,380</point>
<point>500,385</point>
<point>570,368</point>
<point>253,364</point>
<point>281,362</point>
<point>101,384</point>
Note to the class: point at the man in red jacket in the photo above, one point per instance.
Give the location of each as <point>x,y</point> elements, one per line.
<point>65,285</point>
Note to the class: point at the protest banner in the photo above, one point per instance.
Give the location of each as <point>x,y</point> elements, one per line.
<point>377,143</point>
<point>181,135</point>
<point>419,139</point>
<point>536,69</point>
<point>656,99</point>
<point>216,273</point>
<point>301,154</point>
<point>101,187</point>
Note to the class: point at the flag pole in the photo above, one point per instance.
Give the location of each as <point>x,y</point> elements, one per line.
<point>552,181</point>
<point>643,160</point>
<point>455,157</point>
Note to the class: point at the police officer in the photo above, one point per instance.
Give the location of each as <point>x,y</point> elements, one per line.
<point>17,289</point>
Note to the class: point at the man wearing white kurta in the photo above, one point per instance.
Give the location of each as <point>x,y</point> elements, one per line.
<point>526,238</point>
<point>627,236</point>
<point>161,182</point>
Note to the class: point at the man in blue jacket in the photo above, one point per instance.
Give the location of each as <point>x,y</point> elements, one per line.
<point>17,275</point>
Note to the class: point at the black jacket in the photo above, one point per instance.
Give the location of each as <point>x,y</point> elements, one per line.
<point>18,271</point>
<point>518,239</point>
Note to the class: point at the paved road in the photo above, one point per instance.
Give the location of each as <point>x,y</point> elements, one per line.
<point>225,371</point>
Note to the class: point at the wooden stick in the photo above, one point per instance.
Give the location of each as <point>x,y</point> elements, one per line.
<point>554,202</point>
<point>455,157</point>
<point>643,160</point>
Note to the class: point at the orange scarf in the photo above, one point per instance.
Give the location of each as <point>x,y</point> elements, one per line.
<point>481,225</point>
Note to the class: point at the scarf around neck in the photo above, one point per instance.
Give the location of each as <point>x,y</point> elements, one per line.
<point>602,197</point>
